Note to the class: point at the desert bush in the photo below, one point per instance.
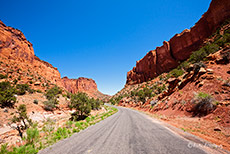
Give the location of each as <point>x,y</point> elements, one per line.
<point>203,52</point>
<point>48,126</point>
<point>52,95</point>
<point>32,136</point>
<point>60,134</point>
<point>112,101</point>
<point>4,149</point>
<point>7,92</point>
<point>53,92</point>
<point>50,105</point>
<point>3,76</point>
<point>116,100</point>
<point>25,149</point>
<point>197,66</point>
<point>153,102</point>
<point>226,57</point>
<point>79,126</point>
<point>39,91</point>
<point>221,41</point>
<point>22,88</point>
<point>147,92</point>
<point>204,104</point>
<point>88,119</point>
<point>176,72</point>
<point>160,89</point>
<point>35,101</point>
<point>133,93</point>
<point>15,81</point>
<point>69,124</point>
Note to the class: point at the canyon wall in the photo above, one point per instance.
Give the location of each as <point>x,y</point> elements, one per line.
<point>180,46</point>
<point>79,85</point>
<point>20,63</point>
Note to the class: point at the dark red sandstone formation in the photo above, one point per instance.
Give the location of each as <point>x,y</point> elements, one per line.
<point>180,47</point>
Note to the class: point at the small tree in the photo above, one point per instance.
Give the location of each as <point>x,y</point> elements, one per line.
<point>21,117</point>
<point>7,92</point>
<point>32,135</point>
<point>52,95</point>
<point>80,102</point>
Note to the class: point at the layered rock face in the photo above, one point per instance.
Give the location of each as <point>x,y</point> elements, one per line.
<point>15,49</point>
<point>13,44</point>
<point>180,47</point>
<point>79,85</point>
<point>19,61</point>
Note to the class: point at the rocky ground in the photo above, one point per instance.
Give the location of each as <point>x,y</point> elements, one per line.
<point>36,112</point>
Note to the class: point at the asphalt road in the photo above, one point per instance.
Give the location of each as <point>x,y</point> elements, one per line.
<point>126,132</point>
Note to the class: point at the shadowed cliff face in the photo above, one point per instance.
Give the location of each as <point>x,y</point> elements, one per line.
<point>19,60</point>
<point>180,47</point>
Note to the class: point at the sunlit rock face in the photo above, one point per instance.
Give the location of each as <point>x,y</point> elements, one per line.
<point>180,47</point>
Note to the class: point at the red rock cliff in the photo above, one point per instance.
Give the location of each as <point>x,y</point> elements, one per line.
<point>13,44</point>
<point>20,61</point>
<point>79,85</point>
<point>180,47</point>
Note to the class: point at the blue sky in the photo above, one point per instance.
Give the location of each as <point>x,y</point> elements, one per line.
<point>99,39</point>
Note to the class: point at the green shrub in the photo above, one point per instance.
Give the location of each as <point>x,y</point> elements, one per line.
<point>176,72</point>
<point>88,119</point>
<point>39,91</point>
<point>15,81</point>
<point>32,136</point>
<point>74,130</point>
<point>25,149</point>
<point>3,76</point>
<point>224,39</point>
<point>160,89</point>
<point>204,104</point>
<point>48,126</point>
<point>4,149</point>
<point>22,88</point>
<point>53,92</point>
<point>7,92</point>
<point>50,105</point>
<point>69,124</point>
<point>79,126</point>
<point>133,93</point>
<point>35,101</point>
<point>202,53</point>
<point>60,133</point>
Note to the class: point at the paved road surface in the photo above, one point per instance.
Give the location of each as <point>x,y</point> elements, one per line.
<point>126,132</point>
